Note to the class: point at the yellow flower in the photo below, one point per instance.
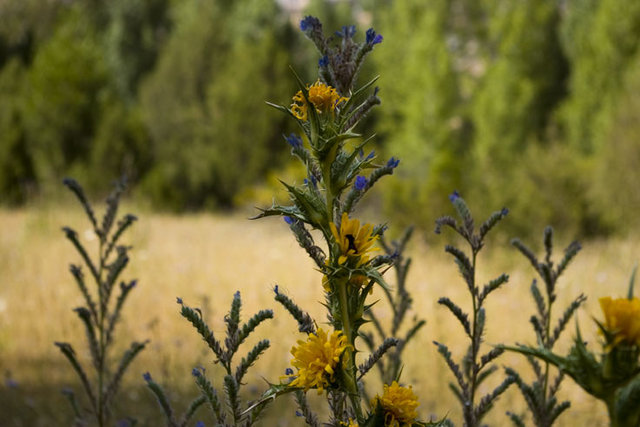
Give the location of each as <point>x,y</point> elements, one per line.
<point>350,424</point>
<point>323,97</point>
<point>399,405</point>
<point>317,358</point>
<point>354,241</point>
<point>622,319</point>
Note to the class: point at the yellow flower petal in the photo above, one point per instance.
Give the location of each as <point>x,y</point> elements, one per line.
<point>399,405</point>
<point>622,319</point>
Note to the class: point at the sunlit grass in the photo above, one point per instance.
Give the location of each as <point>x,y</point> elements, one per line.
<point>204,259</point>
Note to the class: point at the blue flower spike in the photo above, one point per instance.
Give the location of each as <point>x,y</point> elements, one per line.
<point>361,183</point>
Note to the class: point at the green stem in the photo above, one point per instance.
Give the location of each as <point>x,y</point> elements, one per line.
<point>101,354</point>
<point>611,409</point>
<point>474,349</point>
<point>350,370</point>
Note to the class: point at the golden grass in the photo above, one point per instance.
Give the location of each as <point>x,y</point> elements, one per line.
<point>204,259</point>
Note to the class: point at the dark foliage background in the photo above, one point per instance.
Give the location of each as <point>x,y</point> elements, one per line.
<point>530,104</point>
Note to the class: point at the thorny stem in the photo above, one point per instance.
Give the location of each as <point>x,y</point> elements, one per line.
<point>350,379</point>
<point>545,385</point>
<point>101,356</point>
<point>474,347</point>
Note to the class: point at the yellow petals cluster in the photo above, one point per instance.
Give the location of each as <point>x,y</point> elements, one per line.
<point>325,98</point>
<point>399,405</point>
<point>316,359</point>
<point>354,241</point>
<point>622,319</point>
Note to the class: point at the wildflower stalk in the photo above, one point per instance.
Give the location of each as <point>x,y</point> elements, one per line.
<point>99,315</point>
<point>540,395</point>
<point>338,175</point>
<point>613,375</point>
<point>475,368</point>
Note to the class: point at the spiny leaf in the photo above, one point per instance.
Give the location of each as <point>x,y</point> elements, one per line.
<point>207,390</point>
<point>76,188</point>
<point>127,358</point>
<point>493,285</point>
<point>70,354</point>
<point>305,323</point>
<point>251,358</point>
<point>377,355</point>
<point>72,235</point>
<point>202,328</point>
<point>566,316</point>
<point>77,274</point>
<point>253,323</point>
<point>191,410</point>
<point>458,313</point>
<point>161,397</point>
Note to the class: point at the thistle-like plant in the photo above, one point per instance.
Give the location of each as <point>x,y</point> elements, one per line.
<point>540,395</point>
<point>399,303</point>
<point>475,367</point>
<point>229,410</point>
<point>101,313</point>
<point>613,375</point>
<point>339,174</point>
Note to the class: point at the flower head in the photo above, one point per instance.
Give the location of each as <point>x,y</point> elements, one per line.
<point>393,163</point>
<point>316,359</point>
<point>360,183</point>
<point>373,38</point>
<point>310,23</point>
<point>324,61</point>
<point>323,97</point>
<point>399,405</point>
<point>622,319</point>
<point>354,241</point>
<point>294,140</point>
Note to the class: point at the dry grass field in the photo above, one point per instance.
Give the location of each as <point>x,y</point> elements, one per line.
<point>204,259</point>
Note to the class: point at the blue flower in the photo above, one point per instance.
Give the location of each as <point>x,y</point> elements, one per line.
<point>361,183</point>
<point>288,371</point>
<point>289,220</point>
<point>195,372</point>
<point>299,414</point>
<point>179,300</point>
<point>371,155</point>
<point>275,289</point>
<point>200,424</point>
<point>324,61</point>
<point>123,423</point>
<point>504,211</point>
<point>236,295</point>
<point>393,163</point>
<point>373,38</point>
<point>147,376</point>
<point>309,23</point>
<point>347,31</point>
<point>294,140</point>
<point>454,196</point>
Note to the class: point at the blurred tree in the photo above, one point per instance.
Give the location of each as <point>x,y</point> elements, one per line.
<point>614,184</point>
<point>135,34</point>
<point>16,169</point>
<point>601,39</point>
<point>512,108</point>
<point>422,121</point>
<point>62,101</point>
<point>203,103</point>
